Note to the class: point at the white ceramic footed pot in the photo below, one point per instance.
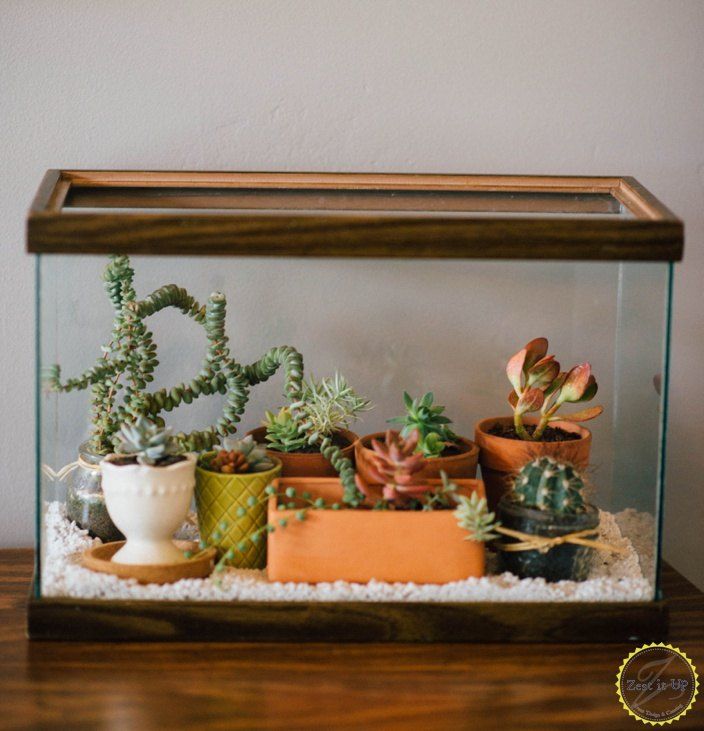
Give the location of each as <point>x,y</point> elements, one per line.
<point>148,504</point>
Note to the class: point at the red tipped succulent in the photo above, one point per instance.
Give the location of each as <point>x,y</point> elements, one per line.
<point>540,386</point>
<point>395,465</point>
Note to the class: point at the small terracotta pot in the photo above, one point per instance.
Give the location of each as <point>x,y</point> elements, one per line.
<point>425,547</point>
<point>463,465</point>
<point>501,458</point>
<point>305,464</point>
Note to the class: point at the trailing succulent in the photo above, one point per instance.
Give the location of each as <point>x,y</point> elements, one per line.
<point>238,456</point>
<point>540,386</point>
<point>428,420</point>
<point>149,443</point>
<point>119,379</point>
<point>546,484</point>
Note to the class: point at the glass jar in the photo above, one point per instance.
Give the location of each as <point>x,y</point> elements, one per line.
<point>85,503</point>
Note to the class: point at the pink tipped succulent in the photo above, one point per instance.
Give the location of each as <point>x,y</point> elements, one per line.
<point>540,386</point>
<point>395,465</point>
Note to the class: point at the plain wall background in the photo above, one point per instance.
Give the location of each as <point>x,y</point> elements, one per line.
<point>504,87</point>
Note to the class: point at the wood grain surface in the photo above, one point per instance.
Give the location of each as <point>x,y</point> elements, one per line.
<point>317,686</point>
<point>310,215</point>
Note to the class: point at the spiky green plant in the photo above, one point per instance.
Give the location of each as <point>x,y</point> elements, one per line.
<point>119,379</point>
<point>540,386</point>
<point>428,420</point>
<point>321,409</point>
<point>149,443</point>
<point>327,406</point>
<point>546,484</point>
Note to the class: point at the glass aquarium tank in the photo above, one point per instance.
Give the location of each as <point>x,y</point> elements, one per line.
<point>350,407</point>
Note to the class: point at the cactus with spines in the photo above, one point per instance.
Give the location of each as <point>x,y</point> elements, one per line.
<point>546,484</point>
<point>119,379</point>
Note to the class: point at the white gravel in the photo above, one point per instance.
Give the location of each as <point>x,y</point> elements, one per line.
<point>613,577</point>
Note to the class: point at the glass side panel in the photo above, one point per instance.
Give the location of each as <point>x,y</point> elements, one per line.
<point>389,326</point>
<point>350,201</point>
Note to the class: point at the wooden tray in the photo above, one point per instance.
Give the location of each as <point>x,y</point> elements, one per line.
<point>99,558</point>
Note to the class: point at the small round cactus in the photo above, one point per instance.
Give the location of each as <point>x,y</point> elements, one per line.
<point>546,484</point>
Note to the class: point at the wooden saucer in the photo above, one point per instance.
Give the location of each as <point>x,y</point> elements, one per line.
<point>98,559</point>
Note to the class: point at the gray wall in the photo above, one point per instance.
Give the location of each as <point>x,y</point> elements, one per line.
<point>542,87</point>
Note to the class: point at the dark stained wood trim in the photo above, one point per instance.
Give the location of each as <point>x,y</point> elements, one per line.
<point>45,191</point>
<point>653,235</point>
<point>639,199</point>
<point>71,619</point>
<point>355,236</point>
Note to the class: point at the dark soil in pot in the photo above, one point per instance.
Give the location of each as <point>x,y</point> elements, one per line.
<point>566,562</point>
<point>551,433</point>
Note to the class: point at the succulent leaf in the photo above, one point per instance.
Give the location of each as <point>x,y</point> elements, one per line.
<point>149,443</point>
<point>473,515</point>
<point>514,370</point>
<point>530,400</point>
<point>584,415</point>
<point>575,385</point>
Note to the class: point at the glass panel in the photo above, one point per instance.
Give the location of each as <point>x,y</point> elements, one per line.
<point>381,202</point>
<point>443,326</point>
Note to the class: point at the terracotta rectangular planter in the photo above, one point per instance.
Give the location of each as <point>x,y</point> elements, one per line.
<point>424,547</point>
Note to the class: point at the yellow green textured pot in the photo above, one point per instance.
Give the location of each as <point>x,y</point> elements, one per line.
<point>217,498</point>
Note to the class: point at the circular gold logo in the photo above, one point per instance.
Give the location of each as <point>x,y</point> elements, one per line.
<point>657,684</point>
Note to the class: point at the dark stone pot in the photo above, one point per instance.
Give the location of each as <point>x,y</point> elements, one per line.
<point>567,562</point>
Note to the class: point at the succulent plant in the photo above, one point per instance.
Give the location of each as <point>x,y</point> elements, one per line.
<point>396,465</point>
<point>546,484</point>
<point>540,386</point>
<point>119,378</point>
<point>130,358</point>
<point>313,416</point>
<point>148,442</point>
<point>282,431</point>
<point>474,516</point>
<point>428,420</point>
<point>327,406</point>
<point>237,457</point>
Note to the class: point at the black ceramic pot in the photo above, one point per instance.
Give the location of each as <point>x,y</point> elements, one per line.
<point>566,562</point>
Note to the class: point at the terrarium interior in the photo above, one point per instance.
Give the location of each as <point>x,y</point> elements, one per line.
<point>389,326</point>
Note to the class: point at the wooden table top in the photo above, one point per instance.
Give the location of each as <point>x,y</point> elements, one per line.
<point>318,686</point>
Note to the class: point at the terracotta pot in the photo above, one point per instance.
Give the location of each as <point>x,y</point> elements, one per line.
<point>425,547</point>
<point>306,464</point>
<point>501,458</point>
<point>463,465</point>
<point>219,496</point>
